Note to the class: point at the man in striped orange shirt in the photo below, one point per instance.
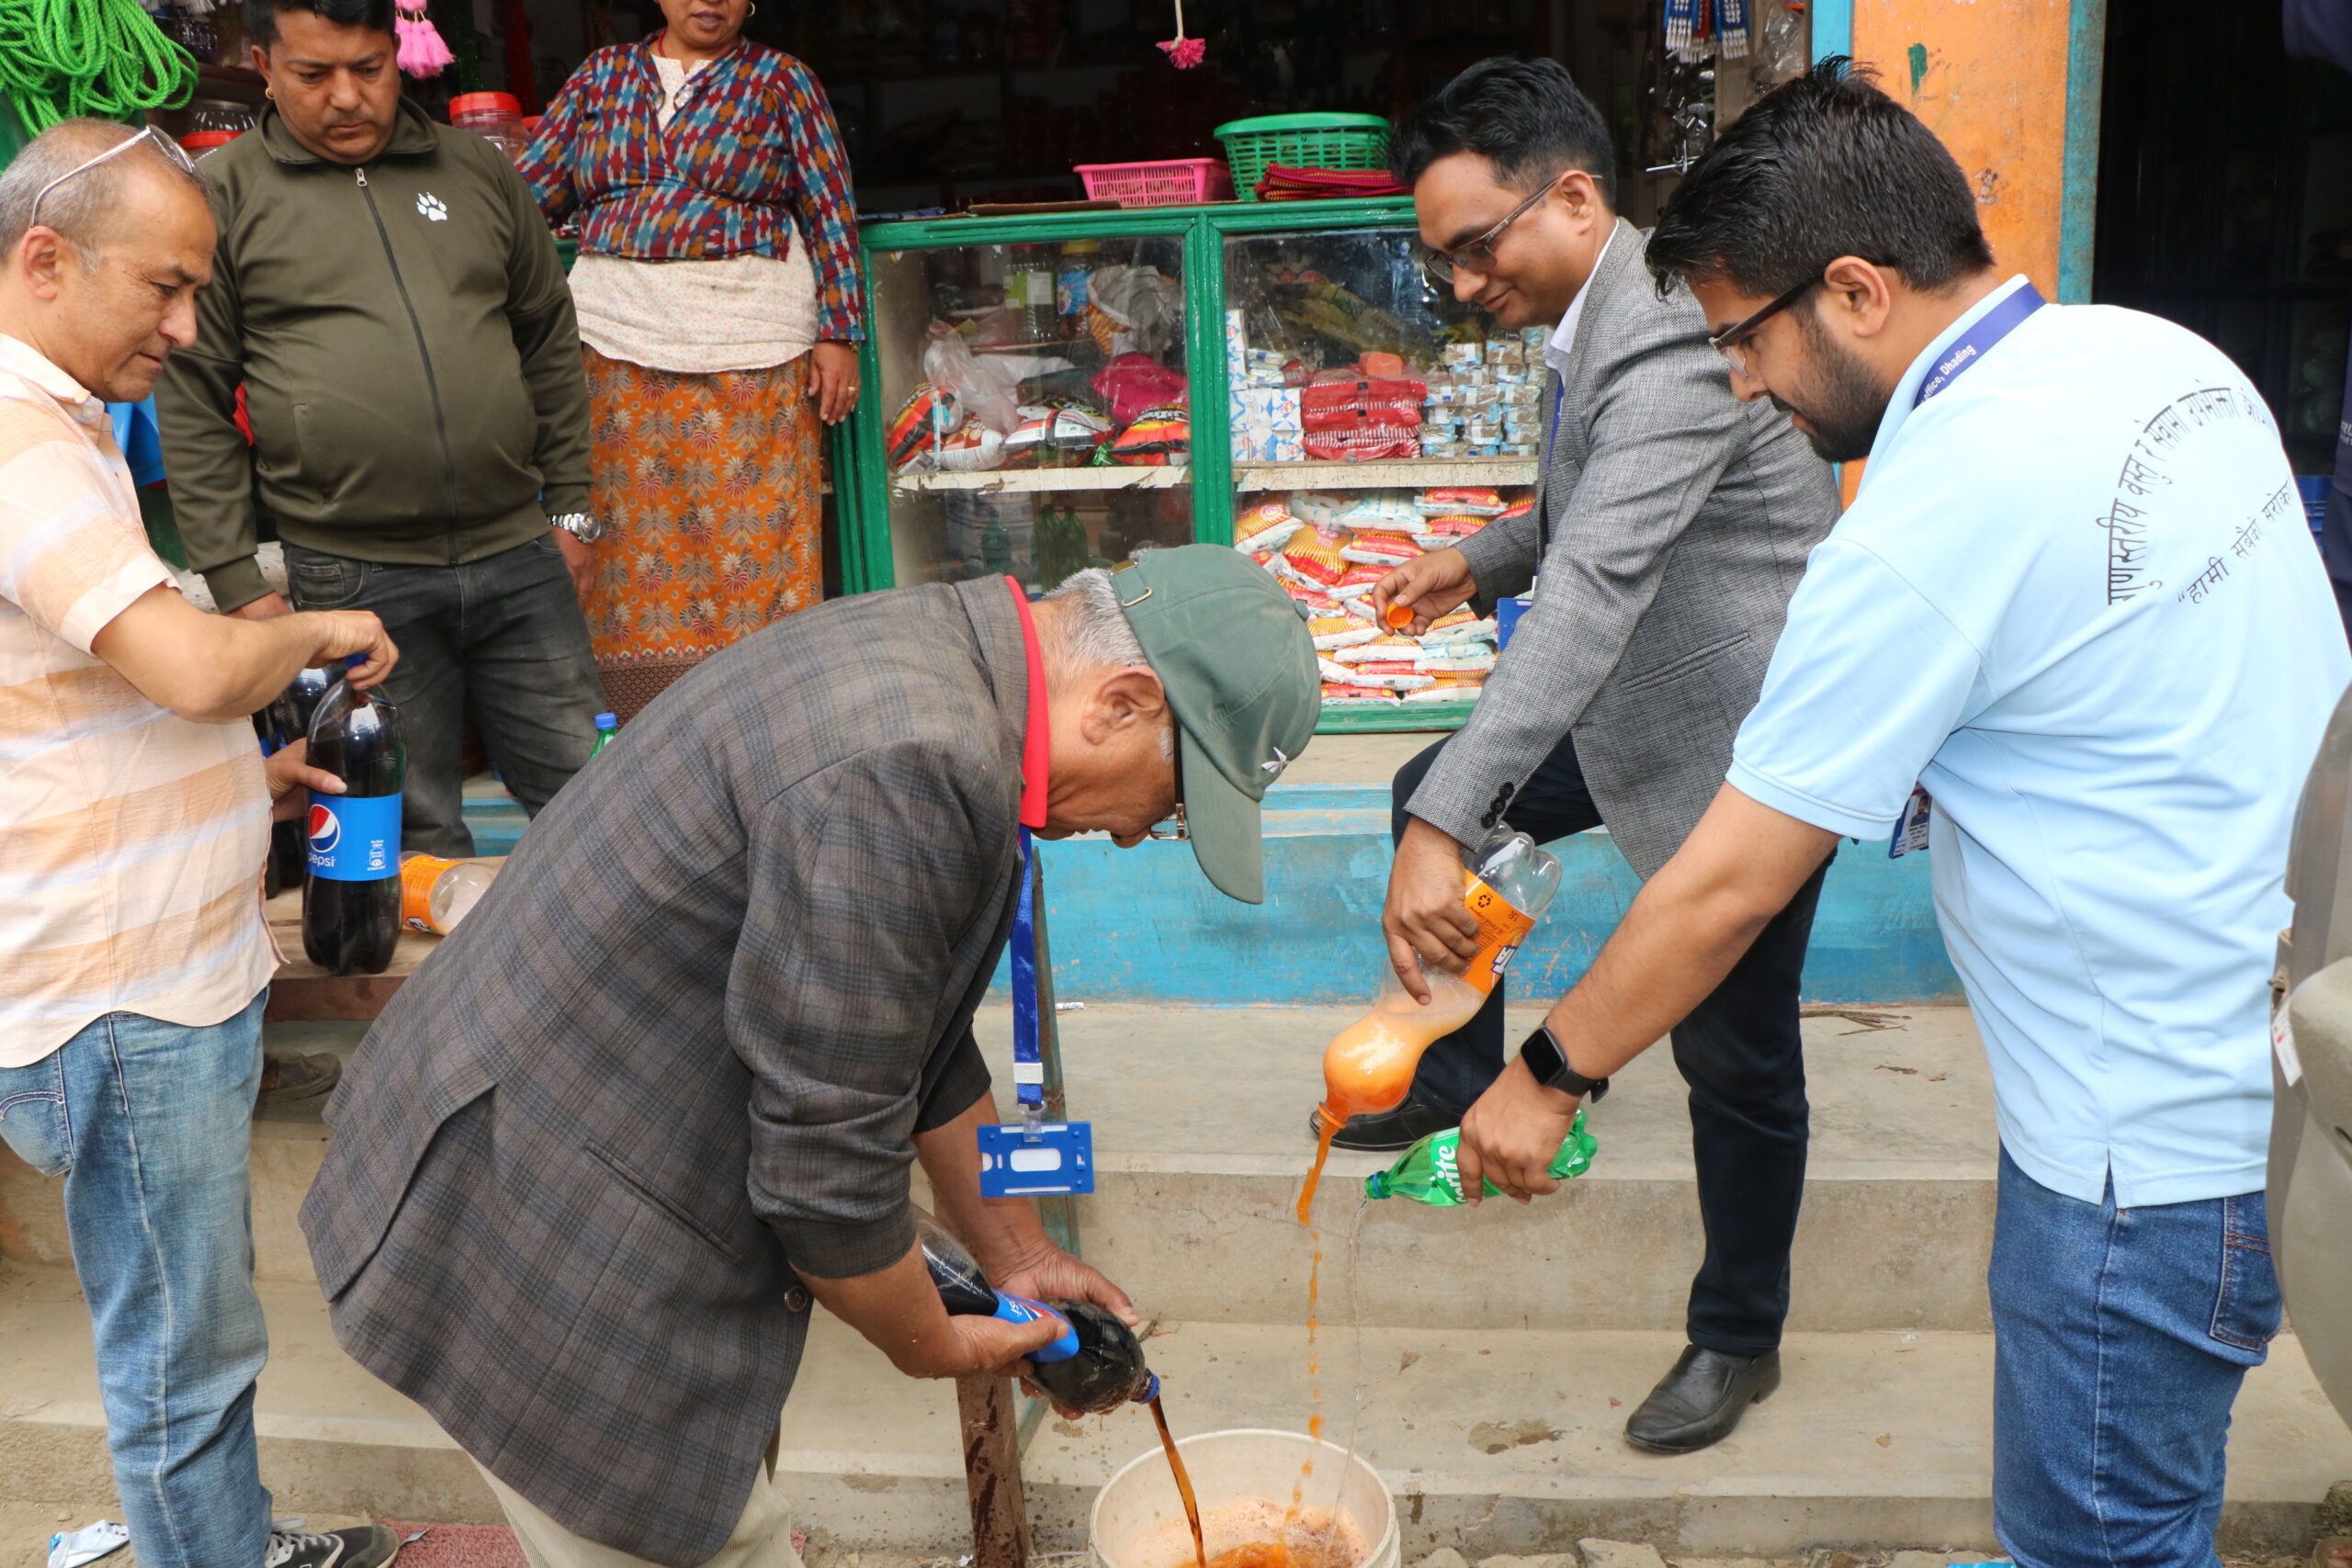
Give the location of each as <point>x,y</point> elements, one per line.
<point>134,813</point>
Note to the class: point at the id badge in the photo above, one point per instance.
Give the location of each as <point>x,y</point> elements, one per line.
<point>1911,827</point>
<point>1053,1157</point>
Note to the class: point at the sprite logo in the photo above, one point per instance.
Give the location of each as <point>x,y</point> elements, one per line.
<point>1441,1159</point>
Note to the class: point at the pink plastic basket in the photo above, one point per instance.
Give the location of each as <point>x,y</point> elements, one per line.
<point>1174,182</point>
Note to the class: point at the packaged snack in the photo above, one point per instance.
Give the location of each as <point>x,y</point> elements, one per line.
<point>1264,526</point>
<point>1458,355</point>
<point>1505,351</point>
<point>1379,367</point>
<point>1461,626</point>
<point>1331,632</point>
<point>1358,580</point>
<point>1313,601</point>
<point>1520,508</point>
<point>1448,529</point>
<point>1379,509</point>
<point>1407,681</point>
<point>1348,696</point>
<point>1439,695</point>
<point>1332,670</point>
<point>1388,648</point>
<point>1056,435</point>
<point>1131,383</point>
<point>1160,435</point>
<point>926,415</point>
<point>973,449</point>
<point>1445,444</point>
<point>1478,500</point>
<point>1311,560</point>
<point>1381,547</point>
<point>1459,658</point>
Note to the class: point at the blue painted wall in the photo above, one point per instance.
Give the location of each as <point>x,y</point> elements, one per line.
<point>1144,925</point>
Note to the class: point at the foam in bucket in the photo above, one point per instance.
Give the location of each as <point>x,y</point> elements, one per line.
<point>1257,1533</point>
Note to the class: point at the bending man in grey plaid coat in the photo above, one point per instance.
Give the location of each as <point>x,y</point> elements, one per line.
<point>663,1088</point>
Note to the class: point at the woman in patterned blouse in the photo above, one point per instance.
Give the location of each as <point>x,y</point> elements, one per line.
<point>719,313</point>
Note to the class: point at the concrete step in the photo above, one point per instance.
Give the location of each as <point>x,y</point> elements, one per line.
<point>1199,1119</point>
<point>1200,1127</point>
<point>1142,925</point>
<point>1493,1440</point>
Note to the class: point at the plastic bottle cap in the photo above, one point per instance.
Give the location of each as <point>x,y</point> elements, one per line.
<point>485,104</point>
<point>353,661</point>
<point>606,721</point>
<point>1398,615</point>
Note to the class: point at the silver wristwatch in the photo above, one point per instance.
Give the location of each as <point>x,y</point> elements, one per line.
<point>582,526</point>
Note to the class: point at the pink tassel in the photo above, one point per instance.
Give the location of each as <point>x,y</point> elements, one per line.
<point>422,52</point>
<point>1183,53</point>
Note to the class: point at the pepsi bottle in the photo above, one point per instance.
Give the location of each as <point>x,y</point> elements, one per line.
<point>351,895</point>
<point>286,720</point>
<point>1095,1364</point>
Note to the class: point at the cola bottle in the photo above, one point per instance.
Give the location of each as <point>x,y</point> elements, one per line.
<point>351,895</point>
<point>1095,1364</point>
<point>288,719</point>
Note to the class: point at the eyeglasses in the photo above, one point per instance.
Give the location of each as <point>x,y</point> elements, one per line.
<point>1730,342</point>
<point>1176,835</point>
<point>164,144</point>
<point>1476,255</point>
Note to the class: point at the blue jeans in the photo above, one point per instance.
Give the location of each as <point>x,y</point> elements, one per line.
<point>2121,1337</point>
<point>151,1124</point>
<point>500,641</point>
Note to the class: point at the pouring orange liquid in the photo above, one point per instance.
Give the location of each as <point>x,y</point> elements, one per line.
<point>1369,1065</point>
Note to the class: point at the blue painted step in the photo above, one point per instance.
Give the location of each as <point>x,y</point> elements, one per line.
<point>1143,925</point>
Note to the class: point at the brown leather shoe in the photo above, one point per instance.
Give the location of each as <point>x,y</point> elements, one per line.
<point>284,1080</point>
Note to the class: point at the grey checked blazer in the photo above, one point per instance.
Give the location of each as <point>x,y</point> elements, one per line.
<point>683,1039</point>
<point>1678,522</point>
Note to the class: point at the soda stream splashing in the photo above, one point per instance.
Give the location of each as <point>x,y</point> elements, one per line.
<point>1184,1483</point>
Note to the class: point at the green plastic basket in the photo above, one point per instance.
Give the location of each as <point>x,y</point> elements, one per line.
<point>1302,142</point>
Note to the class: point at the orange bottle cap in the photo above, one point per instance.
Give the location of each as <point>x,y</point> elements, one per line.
<point>1398,615</point>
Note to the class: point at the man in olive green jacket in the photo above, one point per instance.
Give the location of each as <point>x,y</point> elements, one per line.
<point>389,296</point>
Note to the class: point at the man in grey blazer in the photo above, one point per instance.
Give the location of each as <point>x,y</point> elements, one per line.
<point>660,1092</point>
<point>1672,524</point>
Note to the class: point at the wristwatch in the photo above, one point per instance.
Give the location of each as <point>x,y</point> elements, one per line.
<point>1549,1063</point>
<point>582,526</point>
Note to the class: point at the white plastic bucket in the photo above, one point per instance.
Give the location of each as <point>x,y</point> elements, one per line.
<point>1235,1467</point>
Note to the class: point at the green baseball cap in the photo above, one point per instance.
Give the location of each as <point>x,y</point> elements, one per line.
<point>1238,668</point>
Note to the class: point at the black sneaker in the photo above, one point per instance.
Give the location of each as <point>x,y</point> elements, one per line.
<point>362,1546</point>
<point>1383,1131</point>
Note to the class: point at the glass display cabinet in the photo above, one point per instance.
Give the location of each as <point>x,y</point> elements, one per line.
<point>1061,390</point>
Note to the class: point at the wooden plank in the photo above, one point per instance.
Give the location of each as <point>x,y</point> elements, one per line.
<point>301,992</point>
<point>992,1472</point>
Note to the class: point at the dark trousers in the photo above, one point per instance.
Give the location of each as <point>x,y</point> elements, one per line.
<point>499,641</point>
<point>1740,1054</point>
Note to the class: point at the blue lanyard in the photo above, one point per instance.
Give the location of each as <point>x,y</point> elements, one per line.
<point>1979,340</point>
<point>1028,1059</point>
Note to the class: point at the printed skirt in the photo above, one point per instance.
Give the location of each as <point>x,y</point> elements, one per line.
<point>707,488</point>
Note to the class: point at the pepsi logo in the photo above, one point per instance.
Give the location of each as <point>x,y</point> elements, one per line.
<point>324,829</point>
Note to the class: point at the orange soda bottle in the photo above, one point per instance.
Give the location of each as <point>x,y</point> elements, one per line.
<point>1368,1066</point>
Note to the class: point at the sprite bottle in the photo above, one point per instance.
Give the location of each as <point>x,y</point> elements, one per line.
<point>1426,1174</point>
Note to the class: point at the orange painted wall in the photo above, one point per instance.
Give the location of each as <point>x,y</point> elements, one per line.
<point>1989,76</point>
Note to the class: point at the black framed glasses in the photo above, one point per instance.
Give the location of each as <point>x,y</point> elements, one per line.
<point>1477,254</point>
<point>1730,342</point>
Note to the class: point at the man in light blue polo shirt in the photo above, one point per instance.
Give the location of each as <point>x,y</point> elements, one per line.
<point>2072,641</point>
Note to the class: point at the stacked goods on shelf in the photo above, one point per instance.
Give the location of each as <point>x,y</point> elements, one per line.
<point>1486,400</point>
<point>993,398</point>
<point>1328,550</point>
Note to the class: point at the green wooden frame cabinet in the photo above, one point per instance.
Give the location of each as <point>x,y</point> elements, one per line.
<point>861,476</point>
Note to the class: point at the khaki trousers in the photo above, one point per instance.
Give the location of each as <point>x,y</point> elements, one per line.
<point>763,1537</point>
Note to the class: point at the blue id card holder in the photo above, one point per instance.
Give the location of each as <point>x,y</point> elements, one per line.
<point>1024,1162</point>
<point>1032,1157</point>
<point>1911,827</point>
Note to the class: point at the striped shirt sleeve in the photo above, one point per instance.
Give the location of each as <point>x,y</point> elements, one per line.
<point>68,557</point>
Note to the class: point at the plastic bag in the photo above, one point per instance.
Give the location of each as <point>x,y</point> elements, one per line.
<point>1134,310</point>
<point>984,387</point>
<point>1133,382</point>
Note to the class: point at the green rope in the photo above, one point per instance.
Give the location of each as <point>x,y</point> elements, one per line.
<point>89,59</point>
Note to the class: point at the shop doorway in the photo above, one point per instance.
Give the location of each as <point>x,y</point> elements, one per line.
<point>2225,199</point>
